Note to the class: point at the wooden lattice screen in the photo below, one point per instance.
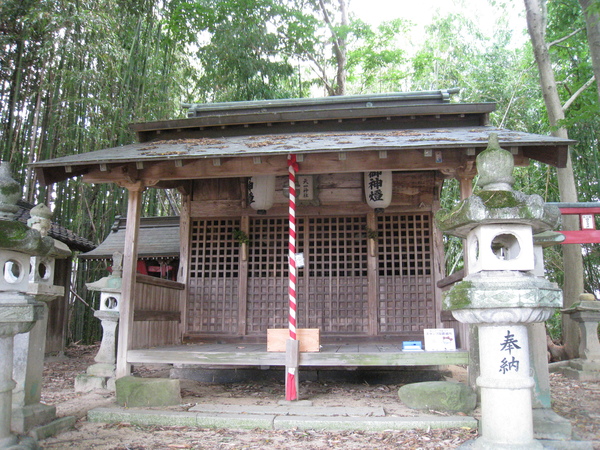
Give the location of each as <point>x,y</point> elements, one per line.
<point>333,292</point>
<point>334,289</point>
<point>267,304</point>
<point>406,296</point>
<point>214,277</point>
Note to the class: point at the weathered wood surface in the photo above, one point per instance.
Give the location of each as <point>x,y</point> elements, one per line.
<point>277,339</point>
<point>156,316</point>
<point>336,194</point>
<point>238,165</point>
<point>383,355</point>
<point>128,296</point>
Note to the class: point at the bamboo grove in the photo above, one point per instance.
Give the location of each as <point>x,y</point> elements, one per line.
<point>75,73</point>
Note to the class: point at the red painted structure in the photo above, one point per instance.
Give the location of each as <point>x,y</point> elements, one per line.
<point>588,234</point>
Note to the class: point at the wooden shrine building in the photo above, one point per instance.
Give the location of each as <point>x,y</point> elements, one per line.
<point>371,273</point>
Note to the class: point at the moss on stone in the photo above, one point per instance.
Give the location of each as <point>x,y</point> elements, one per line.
<point>500,199</point>
<point>12,233</point>
<point>19,237</point>
<point>459,296</point>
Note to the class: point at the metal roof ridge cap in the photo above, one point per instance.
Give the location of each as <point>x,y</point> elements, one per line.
<point>441,94</point>
<point>178,123</point>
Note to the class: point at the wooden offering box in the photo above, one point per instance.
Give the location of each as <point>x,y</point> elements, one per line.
<point>308,337</point>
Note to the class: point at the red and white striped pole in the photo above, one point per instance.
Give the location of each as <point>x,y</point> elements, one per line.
<point>291,380</point>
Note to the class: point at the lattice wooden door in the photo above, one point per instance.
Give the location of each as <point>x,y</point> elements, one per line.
<point>332,288</point>
<point>406,296</point>
<point>267,302</point>
<point>214,277</point>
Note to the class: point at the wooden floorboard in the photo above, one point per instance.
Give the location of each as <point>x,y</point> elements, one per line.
<point>383,355</point>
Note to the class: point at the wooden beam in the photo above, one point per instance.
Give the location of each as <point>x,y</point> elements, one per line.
<point>314,163</point>
<point>146,315</point>
<point>341,359</point>
<point>231,208</point>
<point>134,206</point>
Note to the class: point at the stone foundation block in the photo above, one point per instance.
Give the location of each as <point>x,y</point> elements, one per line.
<point>89,383</point>
<point>135,392</point>
<point>27,417</point>
<point>101,370</point>
<point>443,396</point>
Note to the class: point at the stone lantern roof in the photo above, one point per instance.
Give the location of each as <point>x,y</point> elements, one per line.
<point>496,202</point>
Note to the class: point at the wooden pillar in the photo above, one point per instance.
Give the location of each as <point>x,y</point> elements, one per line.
<point>437,239</point>
<point>184,258</point>
<point>243,278</point>
<point>126,307</point>
<point>372,277</point>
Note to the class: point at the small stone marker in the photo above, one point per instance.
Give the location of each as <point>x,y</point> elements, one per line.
<point>134,391</point>
<point>445,396</point>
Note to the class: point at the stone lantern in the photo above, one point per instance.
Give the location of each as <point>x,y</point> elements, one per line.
<point>29,348</point>
<point>19,310</point>
<point>502,294</point>
<point>101,375</point>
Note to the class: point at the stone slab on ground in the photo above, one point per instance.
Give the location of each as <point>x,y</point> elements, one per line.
<point>30,416</point>
<point>180,418</point>
<point>445,396</point>
<point>581,370</point>
<point>139,416</point>
<point>372,423</point>
<point>292,410</point>
<point>139,392</point>
<point>53,428</point>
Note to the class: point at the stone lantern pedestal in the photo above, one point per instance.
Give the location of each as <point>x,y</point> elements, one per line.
<point>102,374</point>
<point>27,258</point>
<point>19,311</point>
<point>29,348</point>
<point>502,294</point>
<point>587,314</point>
<point>16,317</point>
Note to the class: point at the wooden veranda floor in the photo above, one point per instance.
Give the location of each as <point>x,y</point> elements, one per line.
<point>331,355</point>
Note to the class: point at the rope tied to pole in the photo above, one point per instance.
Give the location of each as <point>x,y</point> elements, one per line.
<point>290,386</point>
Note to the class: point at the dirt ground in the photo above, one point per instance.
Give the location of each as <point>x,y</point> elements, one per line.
<point>577,401</point>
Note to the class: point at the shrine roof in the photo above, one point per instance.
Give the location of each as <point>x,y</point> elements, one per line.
<point>394,123</point>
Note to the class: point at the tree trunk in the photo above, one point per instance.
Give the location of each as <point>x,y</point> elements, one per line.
<point>339,46</point>
<point>591,12</point>
<point>572,259</point>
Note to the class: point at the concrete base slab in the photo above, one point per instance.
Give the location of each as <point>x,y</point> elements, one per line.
<point>566,445</point>
<point>30,416</point>
<point>181,419</point>
<point>580,375</point>
<point>290,410</point>
<point>549,425</point>
<point>276,420</point>
<point>372,423</point>
<point>295,403</point>
<point>141,392</point>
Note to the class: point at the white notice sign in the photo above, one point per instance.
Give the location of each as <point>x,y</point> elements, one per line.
<point>439,339</point>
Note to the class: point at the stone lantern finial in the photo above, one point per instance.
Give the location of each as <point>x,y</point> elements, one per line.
<point>10,193</point>
<point>495,167</point>
<point>41,219</point>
